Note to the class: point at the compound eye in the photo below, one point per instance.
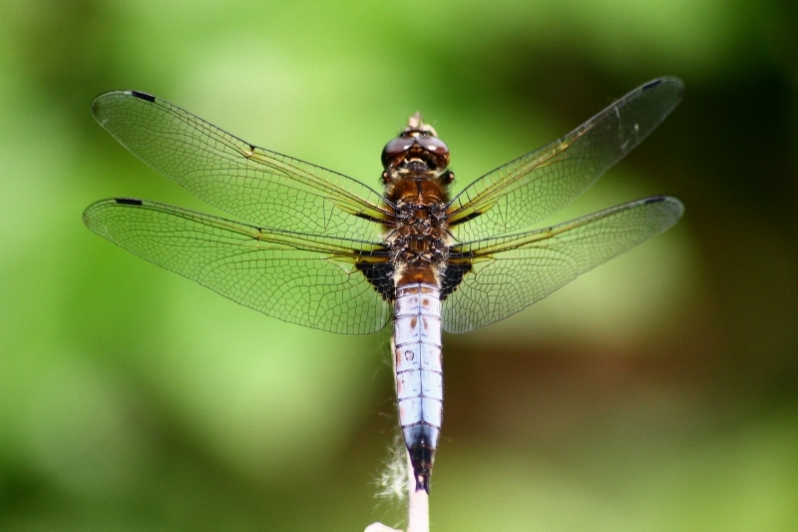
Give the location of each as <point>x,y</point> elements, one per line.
<point>395,149</point>
<point>434,145</point>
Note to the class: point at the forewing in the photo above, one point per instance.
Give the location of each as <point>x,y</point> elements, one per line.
<point>261,186</point>
<point>304,279</point>
<point>510,273</point>
<point>536,185</point>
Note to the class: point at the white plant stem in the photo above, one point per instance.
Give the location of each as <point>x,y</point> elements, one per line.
<point>417,508</point>
<point>417,504</point>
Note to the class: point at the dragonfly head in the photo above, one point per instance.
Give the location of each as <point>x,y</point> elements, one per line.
<point>418,142</point>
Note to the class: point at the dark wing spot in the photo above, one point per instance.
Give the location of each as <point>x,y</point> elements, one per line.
<point>129,201</point>
<point>651,84</point>
<point>143,95</point>
<point>655,199</point>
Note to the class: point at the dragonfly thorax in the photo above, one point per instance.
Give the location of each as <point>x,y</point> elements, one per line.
<point>416,187</point>
<point>418,242</point>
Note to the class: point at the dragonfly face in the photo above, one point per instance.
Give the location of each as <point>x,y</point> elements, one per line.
<point>321,249</point>
<point>418,142</point>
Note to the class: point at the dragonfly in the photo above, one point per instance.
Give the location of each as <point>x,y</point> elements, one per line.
<point>317,248</point>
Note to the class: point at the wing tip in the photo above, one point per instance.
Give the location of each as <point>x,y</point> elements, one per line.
<point>672,208</point>
<point>105,98</point>
<point>90,212</point>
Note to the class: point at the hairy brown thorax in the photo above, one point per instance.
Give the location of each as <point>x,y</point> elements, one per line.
<point>416,186</point>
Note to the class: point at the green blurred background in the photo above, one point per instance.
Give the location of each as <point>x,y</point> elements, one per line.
<point>659,392</point>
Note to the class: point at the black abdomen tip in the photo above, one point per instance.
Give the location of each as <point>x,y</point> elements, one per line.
<point>422,481</point>
<point>421,458</point>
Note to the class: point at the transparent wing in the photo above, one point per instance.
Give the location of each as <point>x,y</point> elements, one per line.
<point>304,279</point>
<point>260,186</point>
<point>510,273</point>
<point>536,185</point>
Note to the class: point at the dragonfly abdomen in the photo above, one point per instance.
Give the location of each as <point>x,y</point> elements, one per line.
<point>416,347</point>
